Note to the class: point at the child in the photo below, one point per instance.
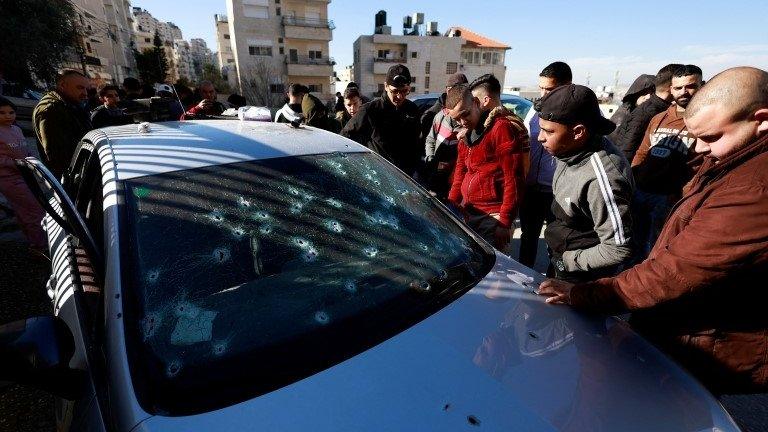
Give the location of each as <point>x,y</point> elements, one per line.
<point>12,186</point>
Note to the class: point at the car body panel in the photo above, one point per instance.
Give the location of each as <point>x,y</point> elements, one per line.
<point>175,146</point>
<point>425,101</point>
<point>498,358</point>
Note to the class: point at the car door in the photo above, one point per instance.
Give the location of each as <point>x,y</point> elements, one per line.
<point>75,287</point>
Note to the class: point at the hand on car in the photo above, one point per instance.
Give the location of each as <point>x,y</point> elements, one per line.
<point>557,291</point>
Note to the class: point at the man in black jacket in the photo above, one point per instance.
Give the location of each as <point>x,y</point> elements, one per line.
<point>389,125</point>
<point>628,136</point>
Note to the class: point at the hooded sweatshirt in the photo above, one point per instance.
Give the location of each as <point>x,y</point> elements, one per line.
<point>661,165</point>
<point>489,175</point>
<point>289,113</point>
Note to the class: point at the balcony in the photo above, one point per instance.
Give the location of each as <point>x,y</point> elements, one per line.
<point>382,67</point>
<point>306,66</point>
<point>305,28</point>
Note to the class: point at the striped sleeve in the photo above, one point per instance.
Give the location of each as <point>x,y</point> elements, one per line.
<point>608,196</point>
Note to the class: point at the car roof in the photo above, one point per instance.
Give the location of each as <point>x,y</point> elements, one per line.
<point>175,146</point>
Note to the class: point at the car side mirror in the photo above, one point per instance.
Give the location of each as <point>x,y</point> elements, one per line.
<point>36,352</point>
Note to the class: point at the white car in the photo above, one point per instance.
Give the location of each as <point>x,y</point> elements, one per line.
<point>230,276</point>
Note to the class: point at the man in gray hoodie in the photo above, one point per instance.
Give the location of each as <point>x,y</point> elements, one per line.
<point>592,186</point>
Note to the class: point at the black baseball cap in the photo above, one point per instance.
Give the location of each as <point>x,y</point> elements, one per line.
<point>398,76</point>
<point>573,104</point>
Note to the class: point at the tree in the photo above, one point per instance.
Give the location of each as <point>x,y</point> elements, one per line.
<point>211,73</point>
<point>39,35</point>
<point>152,63</point>
<point>258,82</point>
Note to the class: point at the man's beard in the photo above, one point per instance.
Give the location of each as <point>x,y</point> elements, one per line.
<point>683,101</point>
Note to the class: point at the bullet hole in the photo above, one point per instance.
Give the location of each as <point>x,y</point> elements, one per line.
<point>216,217</point>
<point>322,317</point>
<point>307,197</point>
<point>310,255</point>
<point>333,226</point>
<point>533,335</point>
<point>301,242</point>
<point>333,203</point>
<point>423,247</point>
<point>149,325</point>
<point>261,215</point>
<point>293,191</point>
<point>388,201</point>
<point>296,207</point>
<point>371,219</point>
<point>474,421</point>
<point>244,202</point>
<point>443,274</point>
<point>265,229</point>
<point>173,368</point>
<point>421,286</point>
<point>238,231</point>
<point>221,255</point>
<point>366,200</point>
<point>350,286</point>
<point>153,275</point>
<point>219,348</point>
<point>119,315</point>
<point>371,251</point>
<point>446,407</point>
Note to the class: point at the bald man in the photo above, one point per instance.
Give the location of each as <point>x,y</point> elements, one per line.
<point>702,293</point>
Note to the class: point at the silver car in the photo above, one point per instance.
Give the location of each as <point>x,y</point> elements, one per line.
<point>229,276</point>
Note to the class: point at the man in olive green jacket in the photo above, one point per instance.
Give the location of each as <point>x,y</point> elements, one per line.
<point>61,121</point>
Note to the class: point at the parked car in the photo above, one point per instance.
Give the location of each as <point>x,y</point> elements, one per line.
<point>521,106</point>
<point>25,100</point>
<point>228,276</point>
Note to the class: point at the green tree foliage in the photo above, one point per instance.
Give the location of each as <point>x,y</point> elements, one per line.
<point>38,36</point>
<point>211,73</point>
<point>151,63</point>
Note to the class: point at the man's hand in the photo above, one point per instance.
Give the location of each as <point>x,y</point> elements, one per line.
<point>204,104</point>
<point>557,291</point>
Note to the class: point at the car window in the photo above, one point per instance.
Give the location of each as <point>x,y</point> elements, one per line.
<point>247,277</point>
<point>517,104</point>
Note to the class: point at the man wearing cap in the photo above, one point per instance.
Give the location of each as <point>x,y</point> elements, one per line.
<point>389,125</point>
<point>440,142</point>
<point>592,187</point>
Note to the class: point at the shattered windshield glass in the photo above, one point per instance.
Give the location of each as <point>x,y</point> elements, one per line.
<point>247,277</point>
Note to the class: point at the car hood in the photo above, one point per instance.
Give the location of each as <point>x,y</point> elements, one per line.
<point>499,359</point>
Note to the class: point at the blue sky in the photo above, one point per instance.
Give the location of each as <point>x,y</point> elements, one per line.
<point>596,38</point>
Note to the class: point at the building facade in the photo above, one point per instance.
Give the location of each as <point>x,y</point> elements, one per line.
<point>224,55</point>
<point>183,61</point>
<point>429,58</point>
<point>145,26</point>
<point>276,42</point>
<point>201,55</point>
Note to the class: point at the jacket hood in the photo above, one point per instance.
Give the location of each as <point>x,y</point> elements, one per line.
<point>643,84</point>
<point>504,114</point>
<point>496,359</point>
<point>51,98</point>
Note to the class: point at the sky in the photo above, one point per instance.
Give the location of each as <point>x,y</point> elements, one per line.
<point>596,38</point>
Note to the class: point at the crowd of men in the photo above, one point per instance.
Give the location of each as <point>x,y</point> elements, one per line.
<point>659,211</point>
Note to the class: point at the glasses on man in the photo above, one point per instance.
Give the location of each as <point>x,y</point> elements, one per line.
<point>399,91</point>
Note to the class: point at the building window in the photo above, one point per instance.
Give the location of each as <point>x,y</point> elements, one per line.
<point>315,55</point>
<point>426,83</point>
<point>282,50</point>
<point>413,79</point>
<point>252,11</point>
<point>277,1</point>
<point>293,55</point>
<point>381,88</point>
<point>426,68</point>
<point>260,51</point>
<point>413,89</point>
<point>277,88</point>
<point>383,54</point>
<point>147,40</point>
<point>414,54</point>
<point>315,88</point>
<point>230,60</point>
<point>496,58</point>
<point>451,67</point>
<point>279,40</point>
<point>226,36</point>
<point>88,47</point>
<point>487,58</point>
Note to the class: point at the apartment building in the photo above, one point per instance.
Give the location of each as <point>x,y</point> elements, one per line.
<point>224,55</point>
<point>105,46</point>
<point>177,51</point>
<point>183,60</point>
<point>201,55</point>
<point>431,58</point>
<point>276,42</point>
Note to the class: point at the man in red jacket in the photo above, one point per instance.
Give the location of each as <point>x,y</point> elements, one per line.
<point>489,175</point>
<point>701,294</point>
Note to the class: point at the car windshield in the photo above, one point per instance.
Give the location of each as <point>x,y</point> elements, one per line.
<point>517,104</point>
<point>250,276</point>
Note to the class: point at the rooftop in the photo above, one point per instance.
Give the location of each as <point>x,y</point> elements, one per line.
<point>477,40</point>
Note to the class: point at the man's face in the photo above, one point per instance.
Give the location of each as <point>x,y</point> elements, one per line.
<point>397,94</point>
<point>556,138</point>
<point>546,85</point>
<point>720,135</point>
<point>208,92</point>
<point>352,105</point>
<point>74,89</point>
<point>683,88</point>
<point>466,113</point>
<point>110,98</point>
